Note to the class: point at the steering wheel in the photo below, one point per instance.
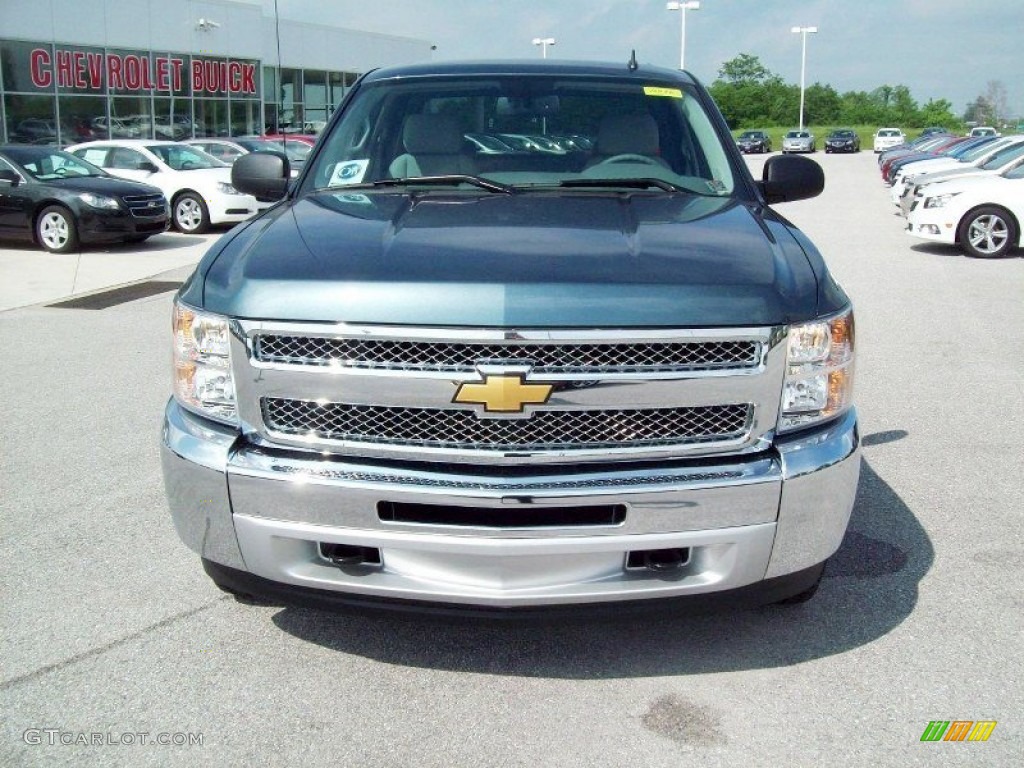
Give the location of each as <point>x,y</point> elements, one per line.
<point>60,171</point>
<point>630,159</point>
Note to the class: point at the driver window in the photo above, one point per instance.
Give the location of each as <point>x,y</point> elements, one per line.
<point>125,159</point>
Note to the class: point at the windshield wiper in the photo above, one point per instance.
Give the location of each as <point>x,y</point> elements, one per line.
<point>447,179</point>
<point>646,183</point>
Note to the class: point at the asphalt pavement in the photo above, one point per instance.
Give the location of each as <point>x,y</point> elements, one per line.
<point>30,275</point>
<point>114,639</point>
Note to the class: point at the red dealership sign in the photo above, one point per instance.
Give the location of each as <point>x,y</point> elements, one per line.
<point>88,70</point>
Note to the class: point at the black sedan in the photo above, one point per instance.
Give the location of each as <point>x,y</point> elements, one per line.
<point>754,141</point>
<point>60,201</point>
<point>842,140</point>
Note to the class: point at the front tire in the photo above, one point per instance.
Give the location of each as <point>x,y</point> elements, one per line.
<point>191,216</point>
<point>56,230</point>
<point>988,232</point>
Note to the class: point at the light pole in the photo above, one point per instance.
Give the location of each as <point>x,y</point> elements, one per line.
<point>803,31</point>
<point>544,42</point>
<point>683,7</point>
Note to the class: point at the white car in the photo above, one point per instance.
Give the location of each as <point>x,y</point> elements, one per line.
<point>982,214</point>
<point>197,184</point>
<point>887,138</point>
<point>1003,159</point>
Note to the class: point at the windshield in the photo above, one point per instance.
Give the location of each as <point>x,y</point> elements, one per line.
<point>974,152</point>
<point>750,135</point>
<point>842,134</point>
<point>798,135</point>
<point>887,132</point>
<point>182,157</point>
<point>526,132</point>
<point>296,151</point>
<point>48,164</point>
<point>1003,156</point>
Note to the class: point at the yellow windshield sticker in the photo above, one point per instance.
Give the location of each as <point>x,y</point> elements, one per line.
<point>672,93</point>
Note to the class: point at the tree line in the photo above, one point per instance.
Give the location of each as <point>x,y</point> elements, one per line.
<point>752,96</point>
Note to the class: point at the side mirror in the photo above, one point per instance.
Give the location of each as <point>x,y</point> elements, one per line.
<point>148,167</point>
<point>787,178</point>
<point>264,175</point>
<point>10,177</point>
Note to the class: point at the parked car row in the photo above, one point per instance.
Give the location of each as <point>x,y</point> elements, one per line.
<point>838,140</point>
<point>963,191</point>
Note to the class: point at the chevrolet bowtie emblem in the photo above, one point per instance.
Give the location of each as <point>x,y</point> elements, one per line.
<point>503,393</point>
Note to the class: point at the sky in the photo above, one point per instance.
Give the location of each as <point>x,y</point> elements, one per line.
<point>938,48</point>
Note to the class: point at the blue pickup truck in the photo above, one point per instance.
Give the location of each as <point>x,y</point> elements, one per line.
<point>589,368</point>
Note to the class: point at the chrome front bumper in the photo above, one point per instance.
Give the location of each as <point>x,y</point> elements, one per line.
<point>742,520</point>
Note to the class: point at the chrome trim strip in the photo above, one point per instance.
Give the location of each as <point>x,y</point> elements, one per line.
<point>315,490</point>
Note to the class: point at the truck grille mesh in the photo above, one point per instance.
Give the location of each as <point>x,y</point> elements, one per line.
<point>460,357</point>
<point>545,430</point>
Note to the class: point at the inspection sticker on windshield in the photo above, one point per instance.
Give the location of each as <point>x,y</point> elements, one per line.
<point>348,172</point>
<point>672,93</point>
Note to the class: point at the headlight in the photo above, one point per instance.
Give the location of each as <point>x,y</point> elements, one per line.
<point>819,372</point>
<point>202,364</point>
<point>99,201</point>
<point>939,201</point>
<point>226,189</point>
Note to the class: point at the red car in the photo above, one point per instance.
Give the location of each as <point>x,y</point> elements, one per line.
<point>305,138</point>
<point>932,151</point>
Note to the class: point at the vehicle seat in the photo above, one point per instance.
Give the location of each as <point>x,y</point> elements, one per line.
<point>433,146</point>
<point>626,135</point>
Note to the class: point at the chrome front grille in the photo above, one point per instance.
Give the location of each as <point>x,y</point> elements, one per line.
<point>545,430</point>
<point>393,392</point>
<point>145,206</point>
<point>545,358</point>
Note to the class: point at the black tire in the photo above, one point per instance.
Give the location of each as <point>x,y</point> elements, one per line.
<point>190,214</point>
<point>988,232</point>
<point>56,230</point>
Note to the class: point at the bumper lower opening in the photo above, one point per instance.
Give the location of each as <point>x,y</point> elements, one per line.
<point>349,555</point>
<point>514,516</point>
<point>662,560</point>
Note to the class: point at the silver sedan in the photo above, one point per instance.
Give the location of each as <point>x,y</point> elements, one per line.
<point>798,141</point>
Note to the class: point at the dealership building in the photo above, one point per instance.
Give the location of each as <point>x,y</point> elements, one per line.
<point>74,70</point>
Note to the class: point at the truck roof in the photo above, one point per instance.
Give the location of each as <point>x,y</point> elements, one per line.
<point>531,67</point>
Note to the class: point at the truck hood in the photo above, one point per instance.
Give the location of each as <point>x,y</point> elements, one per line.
<point>538,259</point>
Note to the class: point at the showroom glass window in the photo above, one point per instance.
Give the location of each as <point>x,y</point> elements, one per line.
<point>29,105</point>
